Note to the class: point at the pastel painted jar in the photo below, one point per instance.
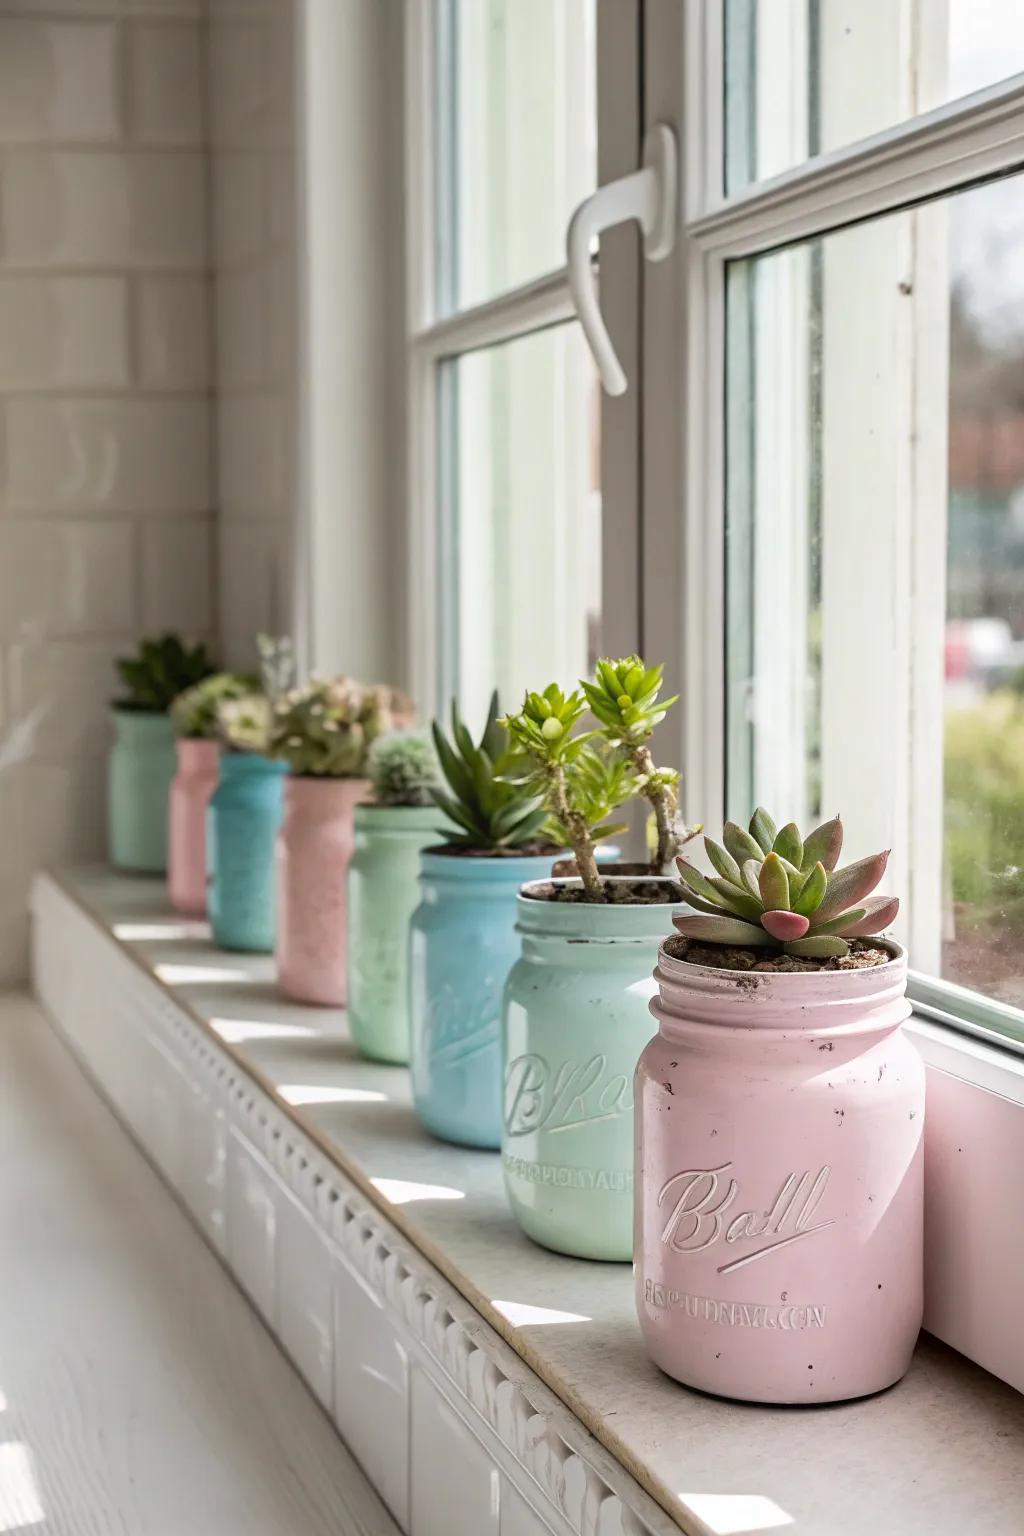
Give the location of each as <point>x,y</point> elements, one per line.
<point>313,852</point>
<point>576,1018</point>
<point>383,892</point>
<point>191,790</point>
<point>139,774</point>
<point>462,945</point>
<point>242,822</point>
<point>779,1124</point>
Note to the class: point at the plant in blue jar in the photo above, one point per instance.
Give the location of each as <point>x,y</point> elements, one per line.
<point>462,937</point>
<point>246,810</point>
<point>142,759</point>
<point>575,1010</point>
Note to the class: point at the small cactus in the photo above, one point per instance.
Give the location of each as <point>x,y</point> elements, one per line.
<point>194,713</point>
<point>403,769</point>
<point>326,728</point>
<point>777,890</point>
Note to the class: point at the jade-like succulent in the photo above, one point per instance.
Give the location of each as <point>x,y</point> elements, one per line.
<point>492,810</point>
<point>326,728</point>
<point>403,769</point>
<point>581,783</point>
<point>777,890</point>
<point>159,672</point>
<point>623,697</point>
<point>194,712</point>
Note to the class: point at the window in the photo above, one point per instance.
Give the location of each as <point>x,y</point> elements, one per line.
<point>507,443</point>
<point>810,502</point>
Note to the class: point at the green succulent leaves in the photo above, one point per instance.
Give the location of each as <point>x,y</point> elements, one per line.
<point>160,671</point>
<point>774,888</point>
<point>491,809</point>
<point>403,769</point>
<point>326,728</point>
<point>623,697</point>
<point>194,712</point>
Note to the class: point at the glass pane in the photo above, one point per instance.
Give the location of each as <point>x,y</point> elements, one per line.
<point>875,560</point>
<point>806,76</point>
<point>521,513</point>
<point>517,140</point>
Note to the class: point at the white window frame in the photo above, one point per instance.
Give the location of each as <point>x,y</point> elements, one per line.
<point>545,301</point>
<point>975,1084</point>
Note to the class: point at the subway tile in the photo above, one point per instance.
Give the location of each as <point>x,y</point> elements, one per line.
<point>63,332</point>
<point>95,208</point>
<point>253,435</point>
<point>253,587</point>
<point>124,455</point>
<point>453,1480</point>
<point>66,578</point>
<point>172,318</point>
<point>243,320</point>
<point>59,694</point>
<point>177,571</point>
<point>164,91</point>
<point>58,80</point>
<point>237,44</point>
<point>239,191</point>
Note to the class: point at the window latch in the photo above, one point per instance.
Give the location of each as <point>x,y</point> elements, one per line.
<point>647,195</point>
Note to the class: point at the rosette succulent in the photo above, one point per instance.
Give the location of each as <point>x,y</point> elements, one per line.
<point>243,725</point>
<point>194,712</point>
<point>403,769</point>
<point>493,810</point>
<point>326,728</point>
<point>777,890</point>
<point>159,672</point>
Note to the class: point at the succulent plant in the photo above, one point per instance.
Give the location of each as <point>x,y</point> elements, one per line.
<point>194,712</point>
<point>581,784</point>
<point>161,670</point>
<point>623,698</point>
<point>403,769</point>
<point>243,724</point>
<point>492,809</point>
<point>326,728</point>
<point>777,890</point>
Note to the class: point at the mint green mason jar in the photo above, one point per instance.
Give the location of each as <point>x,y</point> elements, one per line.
<point>383,893</point>
<point>141,766</point>
<point>575,1020</point>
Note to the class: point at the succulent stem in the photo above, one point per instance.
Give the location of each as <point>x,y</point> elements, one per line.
<point>663,803</point>
<point>575,824</point>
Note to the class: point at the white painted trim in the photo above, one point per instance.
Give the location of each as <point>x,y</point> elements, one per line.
<point>546,301</point>
<point>934,153</point>
<point>115,1015</point>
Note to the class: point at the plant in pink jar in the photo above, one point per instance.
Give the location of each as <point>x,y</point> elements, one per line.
<point>779,1117</point>
<point>194,717</point>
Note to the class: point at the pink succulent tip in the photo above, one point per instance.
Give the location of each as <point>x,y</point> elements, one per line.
<point>785,926</point>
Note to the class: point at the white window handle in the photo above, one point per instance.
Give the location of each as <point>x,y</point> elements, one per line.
<point>647,195</point>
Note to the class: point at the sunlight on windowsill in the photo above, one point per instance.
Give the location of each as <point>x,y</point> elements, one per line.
<point>313,1093</point>
<point>522,1314</point>
<point>164,933</point>
<point>402,1192</point>
<point>736,1514</point>
<point>20,1504</point>
<point>198,975</point>
<point>237,1031</point>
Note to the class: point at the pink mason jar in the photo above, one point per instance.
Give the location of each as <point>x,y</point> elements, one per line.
<point>191,788</point>
<point>778,1241</point>
<point>314,846</point>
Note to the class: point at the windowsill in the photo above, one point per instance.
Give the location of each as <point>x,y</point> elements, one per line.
<point>935,1453</point>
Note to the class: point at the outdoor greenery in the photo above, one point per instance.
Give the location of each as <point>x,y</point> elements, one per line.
<point>984,795</point>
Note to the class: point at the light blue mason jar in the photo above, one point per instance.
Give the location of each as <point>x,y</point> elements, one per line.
<point>462,944</point>
<point>243,818</point>
<point>139,773</point>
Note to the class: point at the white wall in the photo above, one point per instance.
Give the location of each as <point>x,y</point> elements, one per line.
<point>105,488</point>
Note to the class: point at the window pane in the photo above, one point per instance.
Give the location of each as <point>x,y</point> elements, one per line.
<point>521,504</point>
<point>875,560</point>
<point>807,76</point>
<point>517,140</point>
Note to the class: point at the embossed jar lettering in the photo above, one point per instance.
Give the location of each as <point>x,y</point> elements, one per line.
<point>575,1021</point>
<point>779,1208</point>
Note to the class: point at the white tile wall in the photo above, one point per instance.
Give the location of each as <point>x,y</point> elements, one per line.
<point>440,1504</point>
<point>106,490</point>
